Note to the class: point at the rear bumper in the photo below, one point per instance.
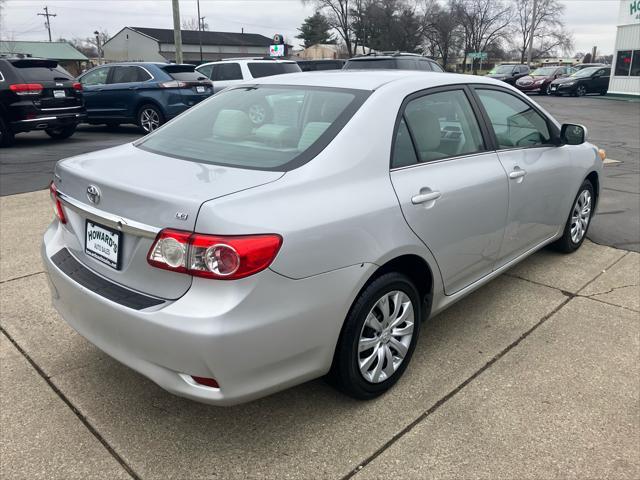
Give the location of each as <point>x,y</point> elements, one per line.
<point>530,88</point>
<point>44,121</point>
<point>255,336</point>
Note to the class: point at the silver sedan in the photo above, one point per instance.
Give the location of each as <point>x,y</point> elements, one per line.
<point>227,258</point>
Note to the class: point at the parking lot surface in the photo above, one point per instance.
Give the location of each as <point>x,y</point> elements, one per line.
<point>533,376</point>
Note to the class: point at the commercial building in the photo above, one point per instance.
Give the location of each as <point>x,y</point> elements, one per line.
<point>67,56</point>
<point>157,45</point>
<point>625,72</point>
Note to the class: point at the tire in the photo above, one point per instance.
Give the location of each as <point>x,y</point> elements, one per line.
<point>149,118</point>
<point>259,113</point>
<point>60,133</point>
<point>572,240</point>
<point>6,135</point>
<point>546,90</point>
<point>581,91</point>
<point>603,92</point>
<point>350,372</point>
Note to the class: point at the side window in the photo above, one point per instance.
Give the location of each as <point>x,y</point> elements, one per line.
<point>95,77</point>
<point>436,67</point>
<point>515,123</point>
<point>123,75</point>
<point>227,71</point>
<point>442,125</point>
<point>403,152</point>
<point>424,65</point>
<point>206,70</point>
<point>141,75</point>
<point>407,64</point>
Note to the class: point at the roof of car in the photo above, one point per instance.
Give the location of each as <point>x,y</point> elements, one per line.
<point>249,59</point>
<point>388,56</point>
<point>370,79</point>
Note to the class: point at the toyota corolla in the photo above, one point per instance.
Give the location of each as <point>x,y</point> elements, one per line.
<point>226,260</point>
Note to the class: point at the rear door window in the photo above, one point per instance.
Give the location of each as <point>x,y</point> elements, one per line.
<point>129,74</point>
<point>226,72</point>
<point>266,69</point>
<point>206,70</point>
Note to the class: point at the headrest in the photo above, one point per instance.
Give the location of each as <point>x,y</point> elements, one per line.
<point>311,133</point>
<point>232,125</point>
<point>280,135</point>
<point>425,127</point>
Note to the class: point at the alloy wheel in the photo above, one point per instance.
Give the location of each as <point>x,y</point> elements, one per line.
<point>580,216</point>
<point>257,114</point>
<point>149,119</point>
<point>581,90</point>
<point>386,336</point>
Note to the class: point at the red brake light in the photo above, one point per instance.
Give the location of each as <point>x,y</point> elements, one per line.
<point>57,205</point>
<point>207,382</point>
<point>26,88</point>
<point>77,86</point>
<point>213,256</point>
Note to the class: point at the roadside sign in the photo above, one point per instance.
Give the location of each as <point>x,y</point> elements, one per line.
<point>479,55</point>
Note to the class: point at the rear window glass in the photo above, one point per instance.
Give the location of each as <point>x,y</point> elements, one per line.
<point>188,76</point>
<point>266,69</point>
<point>42,74</point>
<point>258,127</point>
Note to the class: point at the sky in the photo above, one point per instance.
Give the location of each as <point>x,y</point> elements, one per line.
<point>593,22</point>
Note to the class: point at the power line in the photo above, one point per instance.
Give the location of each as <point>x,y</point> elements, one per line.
<point>47,22</point>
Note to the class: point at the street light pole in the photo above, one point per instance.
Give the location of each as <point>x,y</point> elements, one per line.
<point>533,27</point>
<point>200,31</point>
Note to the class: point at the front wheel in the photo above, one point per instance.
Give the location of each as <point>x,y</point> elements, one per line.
<point>575,230</point>
<point>378,337</point>
<point>60,133</point>
<point>149,118</point>
<point>581,90</point>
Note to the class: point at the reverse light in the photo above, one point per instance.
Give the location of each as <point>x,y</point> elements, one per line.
<point>26,88</point>
<point>57,205</point>
<point>213,256</point>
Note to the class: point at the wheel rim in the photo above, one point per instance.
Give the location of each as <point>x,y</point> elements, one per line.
<point>581,91</point>
<point>580,216</point>
<point>257,114</point>
<point>149,119</point>
<point>385,336</point>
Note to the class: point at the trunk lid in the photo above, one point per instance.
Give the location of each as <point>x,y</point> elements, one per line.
<point>142,187</point>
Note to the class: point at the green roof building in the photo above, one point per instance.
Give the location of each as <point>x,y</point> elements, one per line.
<point>66,55</point>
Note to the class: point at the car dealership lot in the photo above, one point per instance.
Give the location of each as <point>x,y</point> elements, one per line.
<point>534,375</point>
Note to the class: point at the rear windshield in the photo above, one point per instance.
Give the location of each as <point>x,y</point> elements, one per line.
<point>184,72</point>
<point>381,63</point>
<point>44,72</point>
<point>266,69</point>
<point>258,127</point>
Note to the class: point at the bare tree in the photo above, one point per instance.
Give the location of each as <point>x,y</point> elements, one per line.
<point>547,28</point>
<point>485,23</point>
<point>442,30</point>
<point>339,14</point>
<point>191,23</point>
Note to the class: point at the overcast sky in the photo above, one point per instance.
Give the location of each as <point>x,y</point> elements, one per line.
<point>593,22</point>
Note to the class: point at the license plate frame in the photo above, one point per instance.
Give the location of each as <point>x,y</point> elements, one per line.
<point>105,253</point>
<point>59,94</point>
<point>200,89</point>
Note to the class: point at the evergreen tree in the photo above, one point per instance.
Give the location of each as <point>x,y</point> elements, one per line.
<point>315,29</point>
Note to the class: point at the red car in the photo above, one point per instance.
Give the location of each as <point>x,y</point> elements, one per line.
<point>539,80</point>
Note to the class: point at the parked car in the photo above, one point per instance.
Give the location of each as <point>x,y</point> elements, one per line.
<point>226,261</point>
<point>587,80</point>
<point>225,73</point>
<point>540,79</point>
<point>38,94</point>
<point>315,65</point>
<point>508,73</point>
<point>393,61</point>
<point>143,93</point>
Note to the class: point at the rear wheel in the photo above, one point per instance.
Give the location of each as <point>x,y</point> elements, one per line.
<point>378,337</point>
<point>60,133</point>
<point>575,230</point>
<point>149,118</point>
<point>6,135</point>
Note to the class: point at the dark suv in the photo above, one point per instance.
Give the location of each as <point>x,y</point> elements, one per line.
<point>394,61</point>
<point>37,94</point>
<point>508,73</point>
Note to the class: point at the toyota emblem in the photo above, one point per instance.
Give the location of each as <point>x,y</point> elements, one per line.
<point>93,194</point>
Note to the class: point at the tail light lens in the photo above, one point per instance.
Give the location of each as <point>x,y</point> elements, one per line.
<point>57,205</point>
<point>173,84</point>
<point>213,256</point>
<point>77,86</point>
<point>26,88</point>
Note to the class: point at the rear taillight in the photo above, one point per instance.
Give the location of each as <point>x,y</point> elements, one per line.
<point>173,84</point>
<point>26,88</point>
<point>57,205</point>
<point>213,256</point>
<point>77,86</point>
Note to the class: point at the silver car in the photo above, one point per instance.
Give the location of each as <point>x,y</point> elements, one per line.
<point>226,261</point>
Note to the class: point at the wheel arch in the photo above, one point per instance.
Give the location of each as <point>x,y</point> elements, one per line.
<point>148,101</point>
<point>595,181</point>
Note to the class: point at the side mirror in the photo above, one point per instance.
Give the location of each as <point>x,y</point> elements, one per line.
<point>572,134</point>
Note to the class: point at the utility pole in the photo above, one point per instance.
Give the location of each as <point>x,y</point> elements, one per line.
<point>200,25</point>
<point>533,28</point>
<point>47,23</point>
<point>97,34</point>
<point>177,34</point>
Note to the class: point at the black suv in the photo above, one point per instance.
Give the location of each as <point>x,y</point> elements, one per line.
<point>37,94</point>
<point>508,73</point>
<point>394,61</point>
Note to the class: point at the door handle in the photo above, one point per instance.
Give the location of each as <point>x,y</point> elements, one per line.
<point>517,173</point>
<point>425,197</point>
